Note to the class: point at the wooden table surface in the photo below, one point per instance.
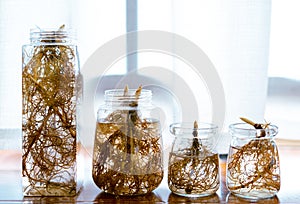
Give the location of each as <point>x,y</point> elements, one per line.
<point>11,188</point>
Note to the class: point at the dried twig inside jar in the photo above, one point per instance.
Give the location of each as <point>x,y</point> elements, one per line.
<point>49,119</point>
<point>194,170</point>
<point>127,151</point>
<point>253,168</point>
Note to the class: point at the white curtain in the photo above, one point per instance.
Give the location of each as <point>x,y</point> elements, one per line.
<point>235,36</point>
<point>95,21</point>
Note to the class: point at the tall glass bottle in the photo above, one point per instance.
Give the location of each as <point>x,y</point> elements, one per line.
<point>127,158</point>
<point>51,89</point>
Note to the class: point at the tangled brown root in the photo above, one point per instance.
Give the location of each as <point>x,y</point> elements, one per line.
<point>127,153</point>
<point>194,171</point>
<point>49,121</point>
<point>253,169</point>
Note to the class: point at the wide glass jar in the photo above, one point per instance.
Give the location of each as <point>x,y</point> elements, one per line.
<point>193,162</point>
<point>127,156</point>
<point>253,162</point>
<point>51,90</point>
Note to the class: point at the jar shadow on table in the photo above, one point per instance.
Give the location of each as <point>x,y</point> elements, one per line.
<point>50,199</point>
<point>231,198</point>
<point>173,198</point>
<point>110,198</point>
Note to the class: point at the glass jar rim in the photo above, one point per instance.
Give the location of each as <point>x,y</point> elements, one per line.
<point>52,35</point>
<point>186,128</point>
<point>247,130</point>
<point>118,94</point>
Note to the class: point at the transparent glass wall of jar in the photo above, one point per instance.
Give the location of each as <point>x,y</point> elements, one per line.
<point>193,161</point>
<point>51,94</point>
<point>127,156</point>
<point>253,169</point>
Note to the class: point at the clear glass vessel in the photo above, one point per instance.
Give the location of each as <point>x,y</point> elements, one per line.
<point>193,162</point>
<point>51,89</point>
<point>127,155</point>
<point>253,169</point>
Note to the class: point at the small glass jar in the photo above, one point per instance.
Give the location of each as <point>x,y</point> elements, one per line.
<point>127,155</point>
<point>193,162</point>
<point>51,90</point>
<point>253,162</point>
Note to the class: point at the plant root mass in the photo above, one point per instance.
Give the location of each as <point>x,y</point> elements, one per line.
<point>193,175</point>
<point>253,168</point>
<point>49,121</point>
<point>127,156</point>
